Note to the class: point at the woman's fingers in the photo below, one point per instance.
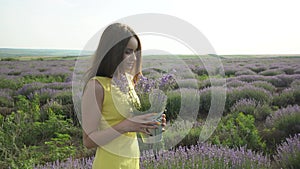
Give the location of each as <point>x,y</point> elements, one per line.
<point>149,126</point>
<point>143,123</point>
<point>142,129</point>
<point>145,130</point>
<point>145,118</point>
<point>163,120</point>
<point>148,116</point>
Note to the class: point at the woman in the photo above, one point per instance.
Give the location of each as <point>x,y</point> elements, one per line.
<point>106,118</point>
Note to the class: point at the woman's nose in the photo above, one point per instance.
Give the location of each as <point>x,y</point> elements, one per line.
<point>133,57</point>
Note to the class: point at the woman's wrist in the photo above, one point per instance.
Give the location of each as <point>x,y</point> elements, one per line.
<point>120,127</point>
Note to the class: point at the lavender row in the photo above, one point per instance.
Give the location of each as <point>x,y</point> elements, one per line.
<point>197,156</point>
<point>204,155</point>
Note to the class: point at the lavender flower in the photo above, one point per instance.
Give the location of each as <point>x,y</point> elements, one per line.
<point>265,85</point>
<point>167,82</point>
<point>232,83</point>
<point>249,92</point>
<point>256,68</point>
<point>30,88</point>
<point>44,94</point>
<point>245,72</point>
<point>70,163</point>
<point>204,155</point>
<point>271,72</point>
<point>5,98</point>
<point>145,85</point>
<point>231,70</point>
<point>247,106</point>
<point>297,71</point>
<point>123,90</point>
<point>250,78</point>
<point>288,153</point>
<point>59,85</point>
<point>280,115</point>
<point>201,155</point>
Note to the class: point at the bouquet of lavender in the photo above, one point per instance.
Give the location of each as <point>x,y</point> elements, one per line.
<point>124,91</point>
<point>158,101</point>
<point>124,96</point>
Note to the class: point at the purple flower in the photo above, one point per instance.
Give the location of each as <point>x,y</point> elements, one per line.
<point>288,153</point>
<point>205,155</point>
<point>282,113</point>
<point>70,163</point>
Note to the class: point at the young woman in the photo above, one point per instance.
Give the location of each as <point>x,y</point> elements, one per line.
<point>106,117</point>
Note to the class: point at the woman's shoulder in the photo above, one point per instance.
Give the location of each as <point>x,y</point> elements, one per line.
<point>92,87</point>
<point>94,83</point>
<point>93,91</point>
<point>104,82</point>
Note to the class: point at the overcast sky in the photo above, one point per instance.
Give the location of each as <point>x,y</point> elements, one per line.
<point>231,26</point>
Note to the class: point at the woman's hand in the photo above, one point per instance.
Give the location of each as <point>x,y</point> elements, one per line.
<point>139,123</point>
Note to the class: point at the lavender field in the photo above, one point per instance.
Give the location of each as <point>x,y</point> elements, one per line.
<point>259,126</point>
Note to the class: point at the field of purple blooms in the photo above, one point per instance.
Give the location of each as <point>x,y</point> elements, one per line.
<point>259,127</point>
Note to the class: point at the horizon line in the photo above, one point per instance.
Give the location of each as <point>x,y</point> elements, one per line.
<point>23,48</point>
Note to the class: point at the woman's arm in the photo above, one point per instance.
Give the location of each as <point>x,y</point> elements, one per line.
<point>91,107</point>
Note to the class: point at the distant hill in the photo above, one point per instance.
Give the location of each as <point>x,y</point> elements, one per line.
<point>14,52</point>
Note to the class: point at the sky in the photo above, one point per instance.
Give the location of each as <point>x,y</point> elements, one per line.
<point>231,26</point>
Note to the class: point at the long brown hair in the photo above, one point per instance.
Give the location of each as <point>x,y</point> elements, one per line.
<point>109,53</point>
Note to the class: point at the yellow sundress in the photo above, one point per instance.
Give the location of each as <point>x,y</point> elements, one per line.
<point>122,152</point>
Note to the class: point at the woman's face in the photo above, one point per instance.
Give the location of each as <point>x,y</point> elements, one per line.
<point>129,55</point>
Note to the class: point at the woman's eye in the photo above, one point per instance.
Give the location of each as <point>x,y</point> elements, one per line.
<point>128,52</point>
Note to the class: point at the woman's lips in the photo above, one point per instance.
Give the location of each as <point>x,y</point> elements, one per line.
<point>131,65</point>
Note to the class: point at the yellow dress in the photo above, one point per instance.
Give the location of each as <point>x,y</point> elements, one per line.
<point>122,152</point>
